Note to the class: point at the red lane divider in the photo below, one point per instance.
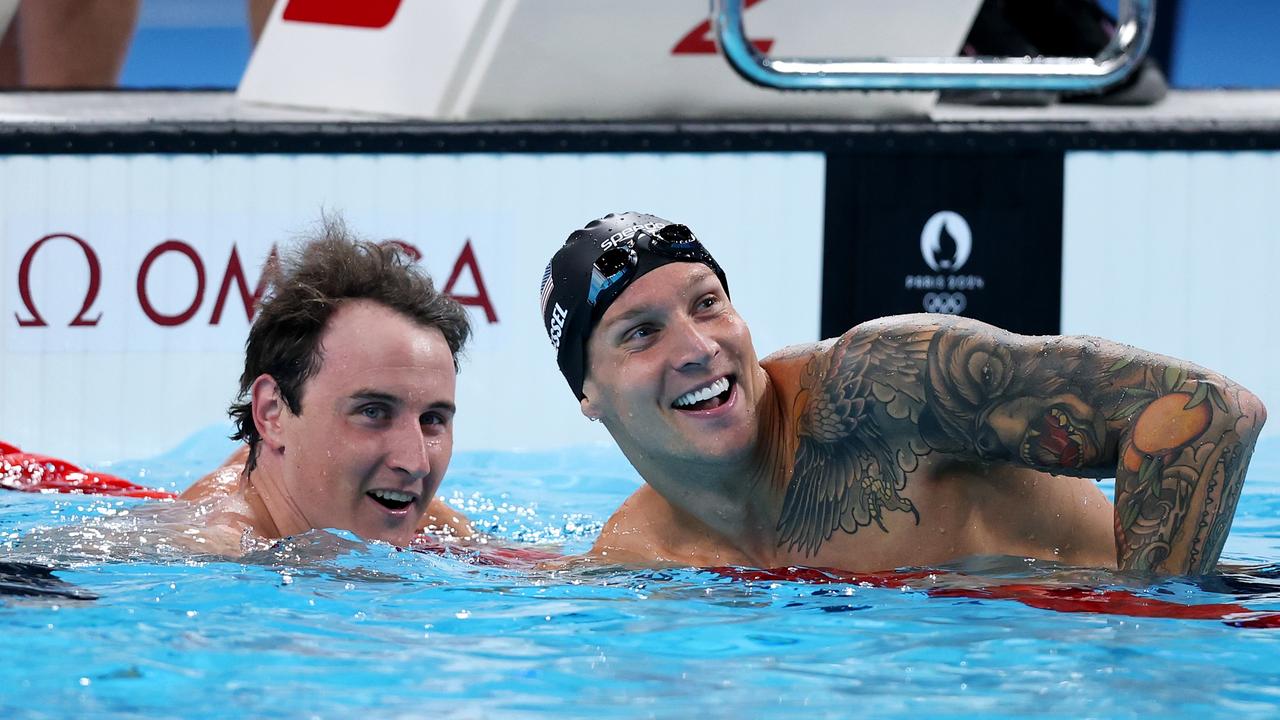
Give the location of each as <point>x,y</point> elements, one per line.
<point>29,472</point>
<point>1058,598</point>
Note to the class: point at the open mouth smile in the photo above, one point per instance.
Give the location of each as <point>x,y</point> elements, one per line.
<point>393,500</point>
<point>707,397</point>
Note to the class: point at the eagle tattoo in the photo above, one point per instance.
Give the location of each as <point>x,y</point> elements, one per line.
<point>847,474</point>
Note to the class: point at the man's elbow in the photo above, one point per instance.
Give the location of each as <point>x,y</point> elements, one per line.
<point>1253,409</point>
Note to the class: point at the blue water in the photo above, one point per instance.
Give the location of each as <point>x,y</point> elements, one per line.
<point>325,625</point>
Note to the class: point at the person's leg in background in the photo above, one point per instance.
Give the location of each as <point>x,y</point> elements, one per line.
<point>259,12</point>
<point>73,43</point>
<point>9,70</point>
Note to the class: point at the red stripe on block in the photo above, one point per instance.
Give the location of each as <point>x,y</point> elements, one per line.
<point>372,14</point>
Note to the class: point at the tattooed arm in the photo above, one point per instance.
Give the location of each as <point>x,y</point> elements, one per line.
<point>1176,437</point>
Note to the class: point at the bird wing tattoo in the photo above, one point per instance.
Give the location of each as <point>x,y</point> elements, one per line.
<point>847,472</point>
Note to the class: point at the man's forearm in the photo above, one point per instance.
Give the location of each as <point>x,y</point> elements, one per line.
<point>1182,464</point>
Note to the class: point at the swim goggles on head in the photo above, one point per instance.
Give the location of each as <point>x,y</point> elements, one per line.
<point>615,268</point>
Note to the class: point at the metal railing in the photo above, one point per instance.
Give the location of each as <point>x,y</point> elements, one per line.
<point>1121,56</point>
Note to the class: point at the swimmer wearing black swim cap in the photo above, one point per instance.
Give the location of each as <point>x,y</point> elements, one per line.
<point>595,265</point>
<point>911,440</point>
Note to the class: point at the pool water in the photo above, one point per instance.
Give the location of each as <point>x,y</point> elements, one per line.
<point>326,625</point>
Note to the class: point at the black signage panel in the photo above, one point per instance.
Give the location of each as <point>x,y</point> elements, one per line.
<point>978,235</point>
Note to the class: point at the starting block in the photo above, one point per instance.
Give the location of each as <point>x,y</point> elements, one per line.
<point>460,60</point>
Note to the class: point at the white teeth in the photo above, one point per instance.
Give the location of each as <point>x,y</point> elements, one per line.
<point>392,495</point>
<point>706,393</point>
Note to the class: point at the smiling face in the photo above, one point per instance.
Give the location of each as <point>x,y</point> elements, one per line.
<point>372,442</point>
<point>672,371</point>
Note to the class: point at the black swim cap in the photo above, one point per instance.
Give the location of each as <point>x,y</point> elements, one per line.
<point>592,269</point>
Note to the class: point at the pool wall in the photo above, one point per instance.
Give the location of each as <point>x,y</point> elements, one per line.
<point>130,251</point>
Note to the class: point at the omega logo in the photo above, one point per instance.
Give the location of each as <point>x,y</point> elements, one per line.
<point>91,294</point>
<point>233,273</point>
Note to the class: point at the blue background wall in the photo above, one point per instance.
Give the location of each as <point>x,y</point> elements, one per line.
<point>1227,43</point>
<point>205,43</point>
<point>188,43</point>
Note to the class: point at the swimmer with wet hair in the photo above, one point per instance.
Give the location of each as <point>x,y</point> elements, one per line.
<point>346,402</point>
<point>914,440</point>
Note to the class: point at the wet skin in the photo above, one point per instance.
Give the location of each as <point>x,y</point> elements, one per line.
<point>673,332</point>
<point>657,346</point>
<point>370,446</point>
<point>908,441</point>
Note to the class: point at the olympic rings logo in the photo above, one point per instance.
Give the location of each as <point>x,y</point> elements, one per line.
<point>952,303</point>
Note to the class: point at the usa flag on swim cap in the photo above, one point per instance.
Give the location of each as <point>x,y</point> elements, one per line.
<point>547,287</point>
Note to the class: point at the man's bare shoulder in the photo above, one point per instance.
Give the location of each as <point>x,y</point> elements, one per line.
<point>793,353</point>
<point>786,367</point>
<point>888,327</point>
<point>634,532</point>
<point>220,482</point>
<point>908,322</point>
<point>648,530</point>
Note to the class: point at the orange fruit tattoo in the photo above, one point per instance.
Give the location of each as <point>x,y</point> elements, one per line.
<point>1132,460</point>
<point>1167,423</point>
